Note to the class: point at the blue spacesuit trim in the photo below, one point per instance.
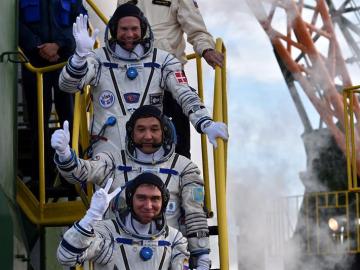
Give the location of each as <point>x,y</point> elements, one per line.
<point>124,168</point>
<point>83,231</point>
<point>110,65</point>
<point>150,64</point>
<point>168,171</point>
<point>71,248</point>
<point>198,124</point>
<point>199,252</point>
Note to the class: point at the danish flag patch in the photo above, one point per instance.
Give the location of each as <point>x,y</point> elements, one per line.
<point>181,77</point>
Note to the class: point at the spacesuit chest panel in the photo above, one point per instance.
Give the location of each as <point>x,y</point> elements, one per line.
<point>134,260</point>
<point>134,83</point>
<point>118,95</point>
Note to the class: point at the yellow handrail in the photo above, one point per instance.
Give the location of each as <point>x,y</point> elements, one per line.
<point>220,153</point>
<point>44,217</point>
<point>98,11</point>
<point>40,118</point>
<point>204,152</point>
<point>220,160</point>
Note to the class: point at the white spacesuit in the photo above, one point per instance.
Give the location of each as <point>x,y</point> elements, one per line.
<point>124,242</point>
<point>124,80</point>
<point>181,176</point>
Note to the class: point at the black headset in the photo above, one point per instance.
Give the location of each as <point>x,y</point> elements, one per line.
<point>167,126</point>
<point>114,20</point>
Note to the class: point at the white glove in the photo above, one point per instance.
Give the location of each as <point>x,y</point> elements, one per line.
<point>60,142</point>
<point>215,130</point>
<point>99,204</point>
<point>84,42</point>
<point>203,262</point>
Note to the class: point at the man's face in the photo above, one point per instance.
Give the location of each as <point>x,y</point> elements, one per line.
<point>147,202</point>
<point>128,32</point>
<point>147,132</point>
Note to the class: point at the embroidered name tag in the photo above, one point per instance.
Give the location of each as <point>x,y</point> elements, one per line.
<point>132,65</point>
<point>162,2</point>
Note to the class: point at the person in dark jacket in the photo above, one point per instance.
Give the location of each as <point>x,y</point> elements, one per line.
<point>45,36</point>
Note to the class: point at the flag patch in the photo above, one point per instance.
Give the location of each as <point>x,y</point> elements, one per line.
<point>131,97</point>
<point>198,194</point>
<point>181,77</point>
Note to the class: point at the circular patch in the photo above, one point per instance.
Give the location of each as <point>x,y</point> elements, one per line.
<point>106,99</point>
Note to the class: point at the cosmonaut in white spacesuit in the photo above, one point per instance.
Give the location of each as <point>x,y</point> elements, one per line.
<point>126,74</point>
<point>150,144</point>
<point>137,238</point>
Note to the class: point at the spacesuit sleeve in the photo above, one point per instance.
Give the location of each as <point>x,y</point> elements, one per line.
<point>192,200</point>
<point>193,25</point>
<point>79,245</point>
<point>73,78</point>
<point>79,171</point>
<point>179,252</point>
<point>176,83</point>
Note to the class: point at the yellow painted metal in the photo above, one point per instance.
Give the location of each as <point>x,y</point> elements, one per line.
<point>204,152</point>
<point>344,202</point>
<point>353,145</point>
<point>220,153</point>
<point>220,169</point>
<point>348,99</point>
<point>317,226</point>
<point>40,107</point>
<point>53,214</point>
<point>44,69</point>
<point>307,226</point>
<point>42,216</point>
<point>76,123</point>
<point>78,109</point>
<point>347,217</point>
<point>98,11</point>
<point>358,219</point>
<point>40,118</point>
<point>347,136</point>
<point>221,47</point>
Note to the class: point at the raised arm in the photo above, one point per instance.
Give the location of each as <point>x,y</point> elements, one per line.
<point>76,170</point>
